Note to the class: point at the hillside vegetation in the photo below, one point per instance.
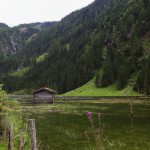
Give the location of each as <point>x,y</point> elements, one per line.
<point>108,40</point>
<point>89,89</point>
<point>14,40</point>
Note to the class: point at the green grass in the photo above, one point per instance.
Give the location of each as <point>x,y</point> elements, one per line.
<point>41,57</point>
<point>3,145</point>
<point>20,73</point>
<point>89,89</point>
<point>19,124</point>
<point>63,125</point>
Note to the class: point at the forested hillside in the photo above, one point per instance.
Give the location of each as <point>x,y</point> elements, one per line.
<point>13,42</point>
<point>107,39</point>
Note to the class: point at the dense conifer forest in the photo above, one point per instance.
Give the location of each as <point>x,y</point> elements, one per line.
<point>108,40</point>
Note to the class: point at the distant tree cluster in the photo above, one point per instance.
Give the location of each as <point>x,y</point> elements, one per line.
<point>3,25</point>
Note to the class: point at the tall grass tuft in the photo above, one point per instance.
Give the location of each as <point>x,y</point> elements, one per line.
<point>97,134</point>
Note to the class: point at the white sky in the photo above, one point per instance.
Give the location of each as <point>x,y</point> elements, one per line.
<point>15,12</point>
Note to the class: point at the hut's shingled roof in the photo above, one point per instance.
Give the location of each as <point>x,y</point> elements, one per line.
<point>45,89</point>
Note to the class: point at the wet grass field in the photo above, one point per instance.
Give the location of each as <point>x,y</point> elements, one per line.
<point>65,125</point>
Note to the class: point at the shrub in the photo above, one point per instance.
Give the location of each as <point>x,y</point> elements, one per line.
<point>5,102</point>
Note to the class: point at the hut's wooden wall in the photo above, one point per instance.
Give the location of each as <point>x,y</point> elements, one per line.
<point>43,97</point>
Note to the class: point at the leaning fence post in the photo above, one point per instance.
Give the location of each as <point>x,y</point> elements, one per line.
<point>5,126</point>
<point>10,143</point>
<point>33,134</point>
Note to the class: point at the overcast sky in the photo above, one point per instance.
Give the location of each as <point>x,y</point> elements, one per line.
<point>15,12</point>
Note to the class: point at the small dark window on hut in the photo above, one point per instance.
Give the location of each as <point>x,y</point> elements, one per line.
<point>44,95</point>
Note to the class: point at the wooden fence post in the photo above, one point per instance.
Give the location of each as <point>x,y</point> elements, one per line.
<point>10,143</point>
<point>33,134</point>
<point>21,142</point>
<point>5,127</point>
<point>131,107</point>
<point>131,113</point>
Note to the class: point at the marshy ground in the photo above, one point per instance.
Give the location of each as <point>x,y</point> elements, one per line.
<point>64,124</point>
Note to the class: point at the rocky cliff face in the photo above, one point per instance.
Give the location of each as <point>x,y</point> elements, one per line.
<point>12,40</point>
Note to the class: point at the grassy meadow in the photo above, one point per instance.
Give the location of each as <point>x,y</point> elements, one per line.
<point>89,89</point>
<point>65,125</point>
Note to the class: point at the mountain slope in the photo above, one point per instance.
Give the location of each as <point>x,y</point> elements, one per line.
<point>107,35</point>
<point>89,89</point>
<point>14,44</point>
<point>13,40</point>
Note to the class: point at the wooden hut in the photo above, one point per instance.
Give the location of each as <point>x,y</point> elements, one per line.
<point>44,95</point>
